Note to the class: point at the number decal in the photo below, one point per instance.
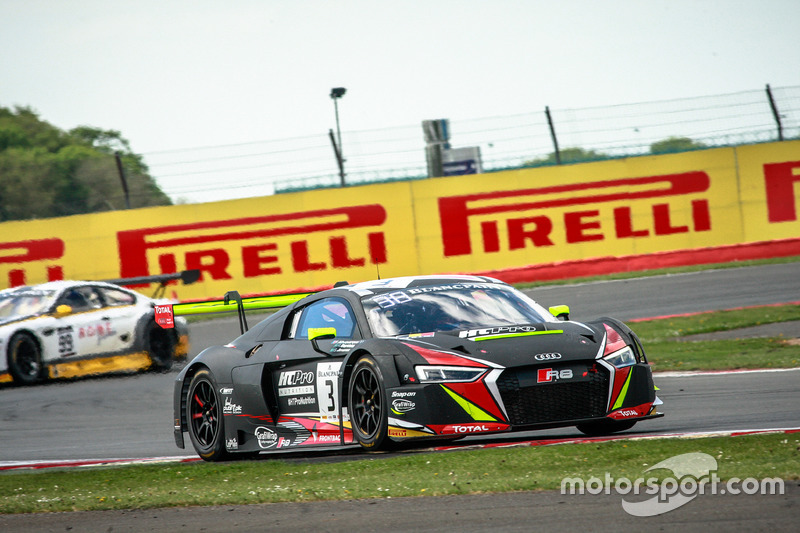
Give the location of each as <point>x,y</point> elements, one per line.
<point>392,299</point>
<point>66,343</point>
<point>327,391</point>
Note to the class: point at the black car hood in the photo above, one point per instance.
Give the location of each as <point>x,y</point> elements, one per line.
<point>516,345</point>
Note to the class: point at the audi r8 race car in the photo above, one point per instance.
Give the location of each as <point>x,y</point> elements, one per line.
<point>407,358</point>
<point>66,329</point>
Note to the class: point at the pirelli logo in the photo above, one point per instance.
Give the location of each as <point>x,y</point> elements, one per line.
<point>260,243</point>
<point>513,220</point>
<point>43,253</point>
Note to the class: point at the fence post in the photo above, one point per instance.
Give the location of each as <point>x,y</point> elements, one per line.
<point>775,113</point>
<point>553,134</point>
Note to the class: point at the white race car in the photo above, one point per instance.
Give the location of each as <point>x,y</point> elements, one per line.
<point>63,329</point>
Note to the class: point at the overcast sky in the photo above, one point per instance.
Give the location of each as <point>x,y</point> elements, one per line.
<point>179,74</point>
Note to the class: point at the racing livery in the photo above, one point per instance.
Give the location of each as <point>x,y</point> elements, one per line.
<point>427,357</point>
<point>64,329</point>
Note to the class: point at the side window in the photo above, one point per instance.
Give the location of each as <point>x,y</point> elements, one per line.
<point>116,297</point>
<point>81,299</point>
<point>329,313</point>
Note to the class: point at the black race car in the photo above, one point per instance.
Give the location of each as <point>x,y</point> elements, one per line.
<point>426,357</point>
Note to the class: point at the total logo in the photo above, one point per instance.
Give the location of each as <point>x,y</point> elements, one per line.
<point>548,375</point>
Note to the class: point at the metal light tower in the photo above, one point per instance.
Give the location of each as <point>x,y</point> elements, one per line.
<point>336,93</point>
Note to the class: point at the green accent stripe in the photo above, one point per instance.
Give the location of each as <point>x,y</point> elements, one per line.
<point>623,392</point>
<point>218,306</point>
<point>523,334</point>
<point>477,414</point>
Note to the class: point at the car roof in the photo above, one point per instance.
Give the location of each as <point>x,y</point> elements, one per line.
<point>382,285</point>
<point>61,285</point>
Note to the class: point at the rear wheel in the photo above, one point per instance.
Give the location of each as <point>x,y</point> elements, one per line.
<point>367,404</point>
<point>605,427</point>
<point>204,416</point>
<point>24,359</point>
<point>161,348</point>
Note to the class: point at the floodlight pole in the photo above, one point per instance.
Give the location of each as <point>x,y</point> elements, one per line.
<point>336,93</point>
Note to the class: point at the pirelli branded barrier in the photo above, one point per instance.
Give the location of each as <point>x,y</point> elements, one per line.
<point>640,207</point>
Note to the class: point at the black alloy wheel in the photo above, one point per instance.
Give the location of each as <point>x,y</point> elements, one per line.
<point>24,359</point>
<point>204,417</point>
<point>367,403</point>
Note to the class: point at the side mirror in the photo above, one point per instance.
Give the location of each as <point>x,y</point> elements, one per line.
<point>320,334</point>
<point>63,310</point>
<point>561,312</point>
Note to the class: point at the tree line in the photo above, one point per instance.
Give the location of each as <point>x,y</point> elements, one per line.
<point>48,172</point>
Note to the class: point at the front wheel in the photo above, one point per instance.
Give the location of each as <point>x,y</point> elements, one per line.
<point>24,359</point>
<point>204,417</point>
<point>605,427</point>
<point>367,404</point>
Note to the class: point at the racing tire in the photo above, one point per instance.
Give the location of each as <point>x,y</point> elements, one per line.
<point>204,417</point>
<point>24,359</point>
<point>369,416</point>
<point>160,347</point>
<point>605,427</point>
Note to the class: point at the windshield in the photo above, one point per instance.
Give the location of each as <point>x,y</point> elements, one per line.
<point>24,303</point>
<point>450,307</point>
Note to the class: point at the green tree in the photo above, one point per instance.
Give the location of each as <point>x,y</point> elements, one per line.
<point>675,144</point>
<point>567,155</point>
<point>47,172</point>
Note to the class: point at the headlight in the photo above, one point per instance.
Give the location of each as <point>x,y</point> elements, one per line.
<point>440,374</point>
<point>620,358</point>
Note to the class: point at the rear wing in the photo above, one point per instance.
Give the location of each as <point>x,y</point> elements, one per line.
<point>165,314</point>
<point>187,277</point>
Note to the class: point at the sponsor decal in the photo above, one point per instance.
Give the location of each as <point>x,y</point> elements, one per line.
<point>230,408</point>
<point>627,412</point>
<point>401,406</point>
<point>466,429</point>
<point>547,375</point>
<point>547,356</point>
<point>496,331</point>
<point>232,444</point>
<point>284,442</point>
<point>296,391</point>
<point>303,400</point>
<point>403,394</point>
<point>398,432</point>
<point>267,438</point>
<point>295,377</point>
<point>343,346</point>
<point>226,390</point>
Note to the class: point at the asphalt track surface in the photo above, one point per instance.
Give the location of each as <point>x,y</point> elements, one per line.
<point>130,417</point>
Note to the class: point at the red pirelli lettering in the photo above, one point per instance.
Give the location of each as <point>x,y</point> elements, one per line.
<point>455,212</point>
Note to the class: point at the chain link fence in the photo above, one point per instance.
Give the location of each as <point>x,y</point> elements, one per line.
<point>505,142</point>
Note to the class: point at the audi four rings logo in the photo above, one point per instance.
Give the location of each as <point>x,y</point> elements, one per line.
<point>547,356</point>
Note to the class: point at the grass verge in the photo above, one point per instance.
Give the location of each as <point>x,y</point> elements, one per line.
<point>663,341</point>
<point>413,474</point>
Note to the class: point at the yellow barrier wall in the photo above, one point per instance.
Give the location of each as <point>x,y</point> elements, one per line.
<point>624,207</point>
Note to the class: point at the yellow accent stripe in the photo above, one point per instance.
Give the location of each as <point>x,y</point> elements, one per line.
<point>477,414</point>
<point>623,392</point>
<point>5,377</point>
<point>523,334</point>
<point>218,306</point>
<point>118,363</point>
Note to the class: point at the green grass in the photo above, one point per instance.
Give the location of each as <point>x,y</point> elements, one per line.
<point>410,474</point>
<point>664,341</point>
